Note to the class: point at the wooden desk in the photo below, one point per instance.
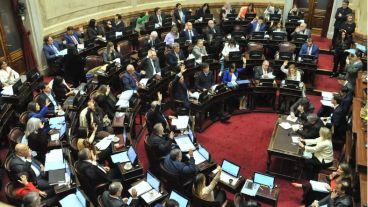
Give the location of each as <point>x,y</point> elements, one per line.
<point>361,152</point>
<point>163,192</point>
<point>264,195</point>
<point>281,147</point>
<point>230,188</point>
<point>363,189</point>
<point>131,175</point>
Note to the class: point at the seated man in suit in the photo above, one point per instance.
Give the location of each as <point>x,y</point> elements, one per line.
<point>189,32</point>
<point>22,161</point>
<point>131,78</point>
<point>94,172</point>
<point>118,24</point>
<point>179,88</point>
<point>301,108</point>
<point>258,25</point>
<point>160,143</point>
<point>340,196</point>
<point>51,49</point>
<point>302,29</point>
<point>311,127</point>
<point>264,71</point>
<point>199,50</point>
<point>152,41</point>
<point>46,93</point>
<point>204,80</point>
<point>155,115</point>
<point>112,197</point>
<point>175,57</point>
<point>211,30</point>
<point>157,18</point>
<point>174,165</point>
<point>32,199</point>
<point>71,37</point>
<point>151,64</point>
<point>309,48</point>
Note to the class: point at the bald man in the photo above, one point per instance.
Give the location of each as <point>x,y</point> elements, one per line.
<point>189,32</point>
<point>22,161</point>
<point>211,30</point>
<point>302,29</point>
<point>262,72</point>
<point>131,78</point>
<point>151,64</point>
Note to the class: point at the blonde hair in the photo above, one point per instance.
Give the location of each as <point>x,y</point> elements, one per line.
<point>325,133</point>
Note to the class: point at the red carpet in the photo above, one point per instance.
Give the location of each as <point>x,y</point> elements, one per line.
<point>325,62</point>
<point>322,42</point>
<point>325,83</point>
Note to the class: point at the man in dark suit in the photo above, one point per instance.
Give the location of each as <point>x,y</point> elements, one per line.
<point>119,24</point>
<point>71,37</point>
<point>152,41</point>
<point>262,72</point>
<point>189,32</point>
<point>340,18</point>
<point>211,30</point>
<point>160,143</point>
<point>338,119</point>
<point>311,127</point>
<point>257,25</point>
<point>180,15</point>
<point>179,88</point>
<point>93,171</point>
<point>338,197</point>
<point>204,80</point>
<point>309,48</point>
<point>46,93</point>
<point>174,165</point>
<point>155,115</point>
<point>112,197</point>
<point>175,57</point>
<point>151,64</point>
<point>157,18</point>
<point>131,78</point>
<point>51,48</point>
<point>344,83</point>
<point>22,161</point>
<point>302,108</point>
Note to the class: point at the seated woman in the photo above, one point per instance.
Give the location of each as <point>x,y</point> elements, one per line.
<point>110,54</point>
<point>23,187</point>
<point>37,138</point>
<point>225,10</point>
<point>343,172</point>
<point>35,112</point>
<point>231,46</point>
<point>276,28</point>
<point>209,193</point>
<point>247,10</point>
<point>8,76</point>
<point>172,36</point>
<point>204,10</point>
<point>105,100</point>
<point>321,150</point>
<point>231,75</point>
<point>292,72</point>
<point>141,21</point>
<point>60,90</point>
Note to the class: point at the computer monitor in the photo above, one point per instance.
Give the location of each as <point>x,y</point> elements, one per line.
<point>292,84</point>
<point>183,202</point>
<point>300,38</point>
<point>293,18</point>
<point>278,35</point>
<point>258,35</point>
<point>81,198</point>
<point>255,54</point>
<point>204,152</point>
<point>189,63</point>
<point>207,17</point>
<point>264,179</point>
<point>235,56</point>
<point>62,131</point>
<point>132,155</point>
<point>17,86</point>
<point>250,16</point>
<point>207,59</point>
<point>153,181</point>
<point>308,58</point>
<point>230,168</point>
<point>285,55</point>
<point>275,17</point>
<point>231,16</point>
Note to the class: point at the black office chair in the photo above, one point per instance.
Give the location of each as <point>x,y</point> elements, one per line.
<point>11,196</point>
<point>99,200</point>
<point>174,182</point>
<point>153,158</point>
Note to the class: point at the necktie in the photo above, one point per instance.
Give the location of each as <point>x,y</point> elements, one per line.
<point>34,164</point>
<point>74,40</point>
<point>190,34</point>
<point>54,49</point>
<point>213,31</point>
<point>309,50</point>
<point>159,19</point>
<point>257,28</point>
<point>153,67</point>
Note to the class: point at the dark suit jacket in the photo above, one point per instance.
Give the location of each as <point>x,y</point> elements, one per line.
<point>173,60</point>
<point>107,200</point>
<point>338,121</point>
<point>346,103</point>
<point>147,65</point>
<point>303,116</point>
<point>153,18</point>
<point>341,201</point>
<point>258,72</point>
<point>156,116</point>
<point>161,145</point>
<point>177,16</point>
<point>107,104</point>
<point>180,91</point>
<point>200,13</point>
<point>340,20</point>
<point>69,40</point>
<point>129,82</point>
<point>210,32</point>
<point>94,174</point>
<point>113,56</point>
<point>119,27</point>
<point>41,100</point>
<point>349,28</point>
<point>17,165</point>
<point>311,131</point>
<point>151,44</point>
<point>262,28</point>
<point>184,170</point>
<point>304,50</point>
<point>93,32</point>
<point>38,142</point>
<point>204,82</point>
<point>185,33</point>
<point>49,52</point>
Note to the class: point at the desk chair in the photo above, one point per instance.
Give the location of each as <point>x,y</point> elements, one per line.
<point>153,158</point>
<point>141,41</point>
<point>124,47</point>
<point>74,148</point>
<point>7,162</point>
<point>175,104</point>
<point>101,51</point>
<point>99,201</point>
<point>10,194</point>
<point>15,136</point>
<point>197,201</point>
<point>173,181</point>
<point>255,49</point>
<point>23,118</point>
<point>93,61</point>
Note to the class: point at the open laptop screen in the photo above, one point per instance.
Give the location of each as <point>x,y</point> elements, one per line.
<point>154,182</point>
<point>81,198</point>
<point>230,168</point>
<point>132,155</point>
<point>264,179</point>
<point>204,153</point>
<point>183,202</point>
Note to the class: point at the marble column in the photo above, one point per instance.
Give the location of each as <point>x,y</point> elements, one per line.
<point>287,7</point>
<point>336,5</point>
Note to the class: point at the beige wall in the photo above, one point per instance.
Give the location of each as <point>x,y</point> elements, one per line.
<point>360,8</point>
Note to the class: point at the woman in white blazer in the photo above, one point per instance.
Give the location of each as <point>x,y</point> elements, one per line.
<point>322,153</point>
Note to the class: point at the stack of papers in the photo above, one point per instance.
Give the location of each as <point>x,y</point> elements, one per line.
<point>285,125</point>
<point>63,52</point>
<point>292,119</point>
<point>151,195</point>
<point>326,98</point>
<point>319,186</point>
<point>250,191</point>
<point>124,98</point>
<point>105,142</point>
<point>181,122</point>
<point>7,90</point>
<point>295,139</point>
<point>54,160</point>
<point>143,81</point>
<point>184,143</point>
<point>141,188</point>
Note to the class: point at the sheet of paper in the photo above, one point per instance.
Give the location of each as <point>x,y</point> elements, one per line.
<point>184,143</point>
<point>55,137</point>
<point>292,119</point>
<point>57,120</point>
<point>248,191</point>
<point>117,34</point>
<point>319,186</point>
<point>194,95</point>
<point>307,155</point>
<point>54,160</point>
<point>198,158</point>
<point>327,103</point>
<point>181,122</point>
<point>104,143</point>
<point>120,157</point>
<point>122,103</point>
<point>7,90</point>
<point>63,52</point>
<point>295,139</point>
<point>270,75</point>
<point>285,125</point>
<point>327,95</point>
<point>143,81</point>
<point>141,188</point>
<point>295,127</point>
<point>80,46</point>
<point>126,95</point>
<point>151,195</point>
<point>70,200</point>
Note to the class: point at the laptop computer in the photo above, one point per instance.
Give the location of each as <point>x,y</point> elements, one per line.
<point>76,200</point>
<point>152,191</point>
<point>183,201</point>
<point>126,156</point>
<point>292,83</point>
<point>278,35</point>
<point>207,58</point>
<point>258,35</point>
<point>264,179</point>
<point>275,17</point>
<point>230,168</point>
<point>308,58</point>
<point>189,63</point>
<point>200,155</point>
<point>300,38</point>
<point>285,55</point>
<point>235,56</point>
<point>56,176</point>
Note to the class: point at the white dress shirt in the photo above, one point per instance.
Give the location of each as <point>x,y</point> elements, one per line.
<point>8,76</point>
